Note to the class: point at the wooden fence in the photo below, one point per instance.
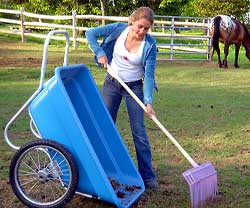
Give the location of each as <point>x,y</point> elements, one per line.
<point>176,37</point>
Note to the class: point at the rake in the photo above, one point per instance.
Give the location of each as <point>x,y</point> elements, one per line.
<point>202,179</point>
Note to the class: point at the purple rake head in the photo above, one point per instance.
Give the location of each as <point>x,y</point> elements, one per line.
<point>202,181</point>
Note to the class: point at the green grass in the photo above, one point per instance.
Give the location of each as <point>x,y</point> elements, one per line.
<point>204,107</point>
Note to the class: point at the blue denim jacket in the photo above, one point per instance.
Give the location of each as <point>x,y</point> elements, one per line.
<point>110,33</point>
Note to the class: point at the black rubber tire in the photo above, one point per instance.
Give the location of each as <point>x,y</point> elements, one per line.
<point>16,184</point>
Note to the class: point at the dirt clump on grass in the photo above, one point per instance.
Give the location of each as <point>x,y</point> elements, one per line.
<point>123,190</point>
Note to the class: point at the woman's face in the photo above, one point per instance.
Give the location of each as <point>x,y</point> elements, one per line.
<point>141,27</point>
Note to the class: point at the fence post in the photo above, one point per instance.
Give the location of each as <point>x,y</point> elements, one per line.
<point>163,27</point>
<point>74,24</point>
<point>172,39</point>
<point>22,25</point>
<point>209,55</point>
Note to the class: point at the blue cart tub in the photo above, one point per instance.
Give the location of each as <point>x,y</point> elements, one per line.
<point>79,149</point>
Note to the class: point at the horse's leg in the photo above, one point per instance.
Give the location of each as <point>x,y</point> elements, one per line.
<point>226,47</point>
<point>237,48</point>
<point>219,59</point>
<point>247,51</point>
<point>218,54</point>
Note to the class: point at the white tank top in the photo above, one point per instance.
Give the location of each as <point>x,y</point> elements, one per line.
<point>127,65</point>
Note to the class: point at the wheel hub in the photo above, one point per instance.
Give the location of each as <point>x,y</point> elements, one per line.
<point>42,175</point>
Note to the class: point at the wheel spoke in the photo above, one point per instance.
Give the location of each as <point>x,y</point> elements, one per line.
<point>36,191</point>
<point>56,185</point>
<point>32,187</point>
<point>24,182</point>
<point>45,193</point>
<point>52,159</point>
<point>26,173</point>
<point>33,161</point>
<point>51,188</point>
<point>45,160</point>
<point>38,160</point>
<point>30,168</point>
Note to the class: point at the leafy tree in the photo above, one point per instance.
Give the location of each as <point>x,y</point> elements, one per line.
<point>58,7</point>
<point>212,8</point>
<point>172,7</point>
<point>122,8</point>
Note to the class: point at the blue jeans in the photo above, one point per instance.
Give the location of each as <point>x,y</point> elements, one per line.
<point>113,93</point>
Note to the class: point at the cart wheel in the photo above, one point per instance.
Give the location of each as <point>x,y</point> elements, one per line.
<point>43,174</point>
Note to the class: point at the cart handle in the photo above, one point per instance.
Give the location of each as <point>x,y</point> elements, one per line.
<point>45,52</point>
<point>41,84</point>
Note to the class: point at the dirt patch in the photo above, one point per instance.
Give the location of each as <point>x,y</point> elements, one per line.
<point>20,62</point>
<point>23,55</point>
<point>27,62</point>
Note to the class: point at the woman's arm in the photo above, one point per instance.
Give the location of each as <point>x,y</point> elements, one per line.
<point>96,33</point>
<point>149,76</point>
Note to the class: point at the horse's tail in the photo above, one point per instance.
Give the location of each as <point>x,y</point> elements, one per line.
<point>216,33</point>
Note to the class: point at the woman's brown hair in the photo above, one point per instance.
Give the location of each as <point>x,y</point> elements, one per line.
<point>142,12</point>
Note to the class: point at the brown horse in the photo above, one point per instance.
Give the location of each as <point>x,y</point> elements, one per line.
<point>229,31</point>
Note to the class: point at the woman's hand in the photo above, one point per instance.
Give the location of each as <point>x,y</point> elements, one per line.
<point>150,111</point>
<point>103,61</point>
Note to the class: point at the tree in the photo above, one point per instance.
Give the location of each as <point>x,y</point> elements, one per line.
<point>172,7</point>
<point>211,8</point>
<point>104,8</point>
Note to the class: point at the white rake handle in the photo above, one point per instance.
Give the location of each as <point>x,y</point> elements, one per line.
<point>157,122</point>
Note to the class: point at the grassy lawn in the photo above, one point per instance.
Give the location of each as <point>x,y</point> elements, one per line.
<point>205,108</point>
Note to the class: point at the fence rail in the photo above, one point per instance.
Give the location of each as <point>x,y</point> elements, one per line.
<point>175,36</point>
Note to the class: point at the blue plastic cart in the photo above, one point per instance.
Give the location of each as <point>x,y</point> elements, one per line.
<point>79,149</point>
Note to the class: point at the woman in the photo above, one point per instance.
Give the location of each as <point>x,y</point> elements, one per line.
<point>131,52</point>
